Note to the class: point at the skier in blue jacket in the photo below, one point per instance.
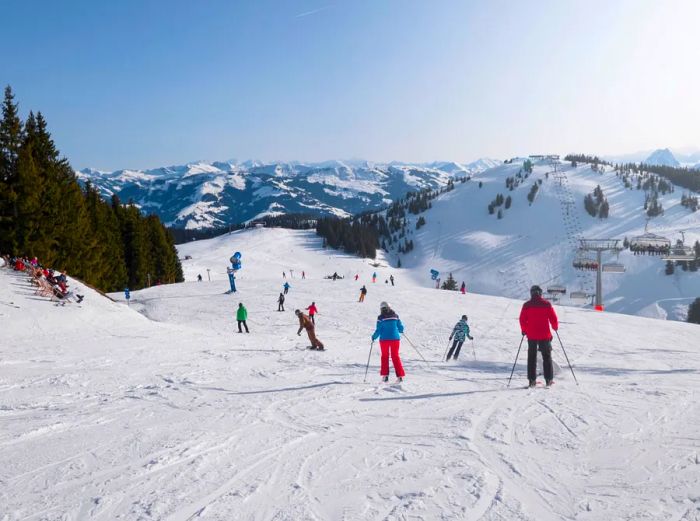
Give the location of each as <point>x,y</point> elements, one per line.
<point>388,331</point>
<point>459,332</point>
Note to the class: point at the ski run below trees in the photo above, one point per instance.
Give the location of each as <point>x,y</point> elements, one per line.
<point>159,410</point>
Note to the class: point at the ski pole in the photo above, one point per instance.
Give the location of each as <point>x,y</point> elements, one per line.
<point>414,347</point>
<point>368,359</point>
<point>444,357</point>
<point>567,358</point>
<point>473,350</point>
<point>516,359</point>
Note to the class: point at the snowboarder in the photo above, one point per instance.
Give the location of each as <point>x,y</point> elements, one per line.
<point>536,316</point>
<point>389,329</point>
<point>391,278</point>
<point>374,277</point>
<point>199,278</point>
<point>459,332</point>
<point>280,303</point>
<point>305,323</point>
<point>463,289</point>
<point>241,317</point>
<point>286,287</point>
<point>312,309</point>
<point>363,292</point>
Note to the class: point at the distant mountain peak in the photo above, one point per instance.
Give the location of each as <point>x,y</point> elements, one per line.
<point>202,194</point>
<point>662,157</point>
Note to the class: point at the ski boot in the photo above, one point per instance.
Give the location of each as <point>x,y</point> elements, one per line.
<point>385,379</point>
<point>532,383</point>
<point>399,379</point>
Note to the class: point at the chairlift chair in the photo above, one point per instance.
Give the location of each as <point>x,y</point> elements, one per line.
<point>579,297</point>
<point>584,261</point>
<point>556,290</point>
<point>679,252</point>
<point>614,267</point>
<point>649,243</point>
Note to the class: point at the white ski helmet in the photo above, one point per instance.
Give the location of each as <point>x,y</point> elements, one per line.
<point>384,305</point>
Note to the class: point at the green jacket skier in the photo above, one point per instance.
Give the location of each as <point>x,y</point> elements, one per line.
<point>241,317</point>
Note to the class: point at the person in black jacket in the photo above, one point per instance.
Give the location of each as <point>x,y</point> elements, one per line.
<point>280,302</point>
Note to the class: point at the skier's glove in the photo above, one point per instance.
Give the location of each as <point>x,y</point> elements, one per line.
<point>471,338</point>
<point>522,333</point>
<point>298,334</point>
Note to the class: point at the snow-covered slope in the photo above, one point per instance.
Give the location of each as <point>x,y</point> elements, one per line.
<point>205,195</point>
<point>105,414</point>
<point>533,243</point>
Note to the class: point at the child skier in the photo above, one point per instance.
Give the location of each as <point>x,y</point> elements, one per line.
<point>305,323</point>
<point>389,329</point>
<point>459,332</point>
<point>241,317</point>
<point>363,292</point>
<point>312,309</point>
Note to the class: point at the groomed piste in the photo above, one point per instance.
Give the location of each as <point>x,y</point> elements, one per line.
<point>160,410</point>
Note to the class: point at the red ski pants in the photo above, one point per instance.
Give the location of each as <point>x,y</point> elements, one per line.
<point>391,346</point>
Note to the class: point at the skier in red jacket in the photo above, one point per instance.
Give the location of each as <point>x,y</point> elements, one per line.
<point>312,309</point>
<point>535,318</point>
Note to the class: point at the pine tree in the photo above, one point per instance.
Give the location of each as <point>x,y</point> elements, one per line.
<point>694,312</point>
<point>28,224</point>
<point>450,284</point>
<point>11,138</point>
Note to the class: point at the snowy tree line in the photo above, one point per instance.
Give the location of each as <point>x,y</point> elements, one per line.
<point>44,213</point>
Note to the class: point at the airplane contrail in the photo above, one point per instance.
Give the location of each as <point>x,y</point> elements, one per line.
<point>314,11</point>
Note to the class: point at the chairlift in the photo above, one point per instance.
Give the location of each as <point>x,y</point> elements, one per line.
<point>579,297</point>
<point>649,243</point>
<point>556,290</point>
<point>614,267</point>
<point>680,252</point>
<point>585,262</point>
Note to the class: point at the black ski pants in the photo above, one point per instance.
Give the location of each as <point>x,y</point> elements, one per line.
<point>244,324</point>
<point>456,346</point>
<point>544,347</point>
<point>280,306</point>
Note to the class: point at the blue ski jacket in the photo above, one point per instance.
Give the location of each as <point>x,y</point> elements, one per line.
<point>389,327</point>
<point>461,331</point>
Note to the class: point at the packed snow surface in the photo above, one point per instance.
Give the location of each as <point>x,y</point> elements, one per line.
<point>160,410</point>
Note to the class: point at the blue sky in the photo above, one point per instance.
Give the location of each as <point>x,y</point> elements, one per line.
<point>136,84</point>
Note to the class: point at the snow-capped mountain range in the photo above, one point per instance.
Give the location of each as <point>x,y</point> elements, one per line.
<point>209,194</point>
<point>683,157</point>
